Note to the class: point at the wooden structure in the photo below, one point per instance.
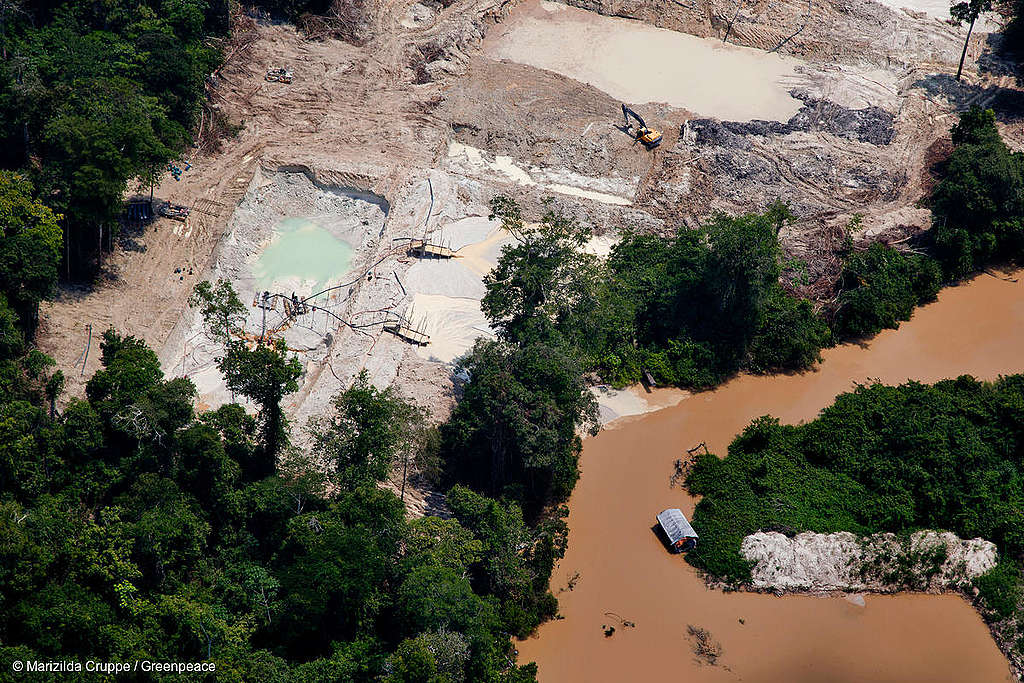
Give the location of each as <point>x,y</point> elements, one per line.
<point>403,330</point>
<point>680,535</point>
<point>425,249</point>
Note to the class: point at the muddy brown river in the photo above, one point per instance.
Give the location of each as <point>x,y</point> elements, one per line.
<point>625,573</point>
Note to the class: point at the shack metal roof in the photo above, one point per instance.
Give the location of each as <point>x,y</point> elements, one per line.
<point>675,525</point>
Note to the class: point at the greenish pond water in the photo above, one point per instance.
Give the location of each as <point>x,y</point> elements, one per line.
<point>302,256</point>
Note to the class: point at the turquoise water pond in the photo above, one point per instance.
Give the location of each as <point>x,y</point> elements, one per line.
<point>302,255</point>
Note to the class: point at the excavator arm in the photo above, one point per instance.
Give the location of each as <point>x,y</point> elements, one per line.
<point>627,112</point>
<point>650,138</point>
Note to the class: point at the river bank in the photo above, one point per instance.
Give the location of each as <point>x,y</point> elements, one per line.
<point>614,563</point>
<point>847,566</point>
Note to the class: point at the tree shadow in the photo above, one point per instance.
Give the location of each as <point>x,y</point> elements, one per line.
<point>1007,103</point>
<point>435,505</point>
<point>1003,56</point>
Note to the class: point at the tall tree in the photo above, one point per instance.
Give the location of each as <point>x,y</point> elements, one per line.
<point>539,279</point>
<point>515,430</point>
<point>265,373</point>
<point>30,250</point>
<point>366,434</point>
<point>223,313</point>
<point>978,205</point>
<point>967,13</point>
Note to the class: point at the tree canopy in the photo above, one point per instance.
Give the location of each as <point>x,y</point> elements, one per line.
<point>133,528</point>
<point>978,205</point>
<point>690,310</point>
<point>514,432</point>
<point>94,96</point>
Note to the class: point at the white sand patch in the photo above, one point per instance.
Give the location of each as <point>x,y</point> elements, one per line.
<point>616,186</point>
<point>471,161</point>
<point>483,256</point>
<point>602,197</point>
<point>635,62</point>
<point>466,231</point>
<point>444,277</point>
<point>601,246</point>
<point>614,403</point>
<point>454,324</point>
<point>447,292</point>
<point>845,562</point>
<point>509,168</point>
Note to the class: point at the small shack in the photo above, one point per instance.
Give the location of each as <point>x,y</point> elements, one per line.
<point>681,536</point>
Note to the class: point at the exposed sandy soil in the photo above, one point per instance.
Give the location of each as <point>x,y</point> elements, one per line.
<point>843,562</point>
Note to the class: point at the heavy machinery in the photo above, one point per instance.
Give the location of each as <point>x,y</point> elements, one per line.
<point>279,75</point>
<point>173,211</point>
<point>648,136</point>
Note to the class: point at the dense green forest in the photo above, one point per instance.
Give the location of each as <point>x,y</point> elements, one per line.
<point>978,205</point>
<point>133,528</point>
<point>690,310</point>
<point>96,98</point>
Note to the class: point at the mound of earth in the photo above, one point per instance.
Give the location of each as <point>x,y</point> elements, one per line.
<point>926,560</point>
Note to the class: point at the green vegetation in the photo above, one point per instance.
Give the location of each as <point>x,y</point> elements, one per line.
<point>695,308</point>
<point>513,433</point>
<point>1000,587</point>
<point>880,458</point>
<point>978,206</point>
<point>789,336</point>
<point>880,287</point>
<point>133,528</point>
<point>978,219</point>
<point>689,310</point>
<point>96,96</point>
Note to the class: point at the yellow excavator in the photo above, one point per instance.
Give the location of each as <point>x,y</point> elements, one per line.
<point>648,136</point>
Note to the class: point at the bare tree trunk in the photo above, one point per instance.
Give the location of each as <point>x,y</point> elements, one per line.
<point>405,473</point>
<point>963,55</point>
<point>728,30</point>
